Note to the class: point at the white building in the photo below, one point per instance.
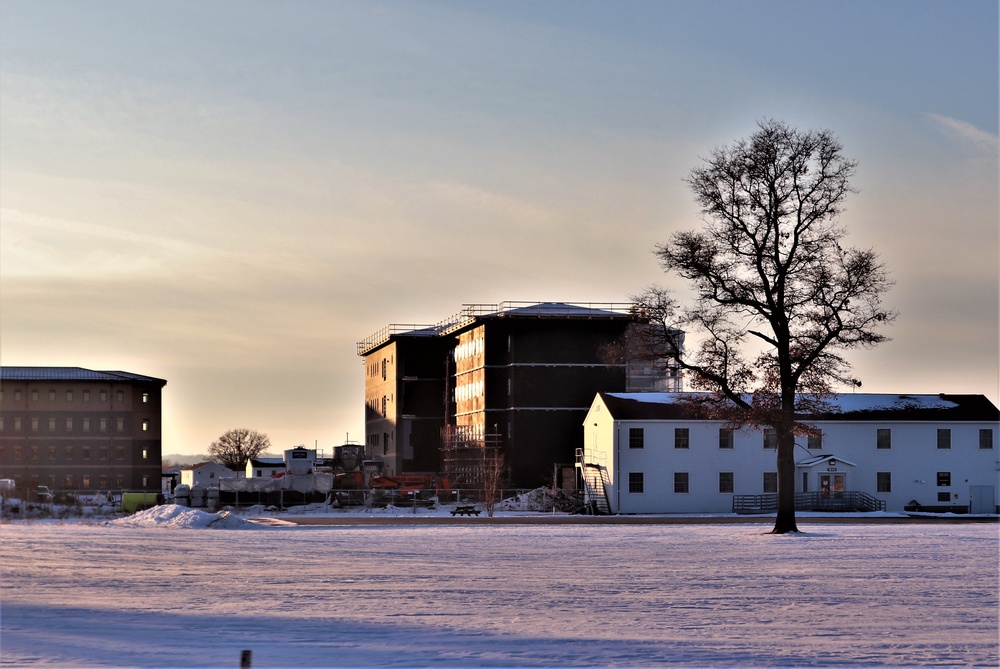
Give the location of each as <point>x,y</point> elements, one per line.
<point>205,474</point>
<point>935,451</point>
<point>265,467</point>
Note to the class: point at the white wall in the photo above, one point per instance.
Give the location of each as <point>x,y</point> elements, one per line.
<point>913,462</point>
<point>206,475</point>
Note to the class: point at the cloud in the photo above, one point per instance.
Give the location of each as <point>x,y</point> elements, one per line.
<point>967,133</point>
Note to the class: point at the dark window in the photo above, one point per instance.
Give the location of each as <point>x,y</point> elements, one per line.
<point>52,396</point>
<point>814,441</point>
<point>725,437</point>
<point>944,438</point>
<point>725,481</point>
<point>986,438</point>
<point>883,482</point>
<point>883,438</point>
<point>681,482</point>
<point>770,438</point>
<point>635,482</point>
<point>770,481</point>
<point>636,437</point>
<point>682,437</point>
<point>943,479</point>
<point>120,395</point>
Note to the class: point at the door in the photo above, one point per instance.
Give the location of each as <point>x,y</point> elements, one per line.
<point>831,485</point>
<point>982,499</point>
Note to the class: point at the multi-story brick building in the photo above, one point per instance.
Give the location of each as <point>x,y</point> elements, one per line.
<point>515,376</point>
<point>69,428</point>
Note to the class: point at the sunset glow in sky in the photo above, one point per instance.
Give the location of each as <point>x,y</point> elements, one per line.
<point>229,195</point>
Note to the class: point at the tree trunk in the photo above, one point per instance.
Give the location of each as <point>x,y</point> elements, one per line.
<point>785,520</point>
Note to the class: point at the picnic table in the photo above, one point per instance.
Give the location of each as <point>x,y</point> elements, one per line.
<point>465,510</point>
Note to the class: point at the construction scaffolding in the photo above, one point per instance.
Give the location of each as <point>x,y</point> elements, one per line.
<point>464,453</point>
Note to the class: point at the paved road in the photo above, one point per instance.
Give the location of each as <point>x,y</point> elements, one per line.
<point>548,519</point>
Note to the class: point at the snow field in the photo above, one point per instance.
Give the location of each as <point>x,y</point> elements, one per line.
<point>163,594</point>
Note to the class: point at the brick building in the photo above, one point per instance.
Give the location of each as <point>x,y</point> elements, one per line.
<point>75,429</point>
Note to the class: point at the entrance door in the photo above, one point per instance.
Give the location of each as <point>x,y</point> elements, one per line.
<point>831,485</point>
<point>982,499</point>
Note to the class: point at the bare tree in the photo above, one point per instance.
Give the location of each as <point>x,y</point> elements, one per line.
<point>777,295</point>
<point>237,447</point>
<point>494,478</point>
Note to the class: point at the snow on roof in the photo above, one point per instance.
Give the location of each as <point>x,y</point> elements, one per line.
<point>854,406</point>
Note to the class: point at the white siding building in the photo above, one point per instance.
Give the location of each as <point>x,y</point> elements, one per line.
<point>935,451</point>
<point>205,474</point>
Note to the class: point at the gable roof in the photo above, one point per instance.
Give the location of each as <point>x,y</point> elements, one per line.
<point>856,407</point>
<point>72,374</point>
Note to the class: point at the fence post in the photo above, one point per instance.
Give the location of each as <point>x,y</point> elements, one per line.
<point>246,659</point>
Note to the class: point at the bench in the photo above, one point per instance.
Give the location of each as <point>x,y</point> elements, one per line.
<point>465,511</point>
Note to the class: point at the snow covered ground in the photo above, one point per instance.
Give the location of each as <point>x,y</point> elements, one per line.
<point>175,587</point>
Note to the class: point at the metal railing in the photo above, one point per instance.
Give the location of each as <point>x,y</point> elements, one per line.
<point>850,500</point>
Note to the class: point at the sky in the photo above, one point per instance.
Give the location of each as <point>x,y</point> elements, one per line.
<point>230,195</point>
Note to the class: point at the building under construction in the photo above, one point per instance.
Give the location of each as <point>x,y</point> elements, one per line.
<point>514,379</point>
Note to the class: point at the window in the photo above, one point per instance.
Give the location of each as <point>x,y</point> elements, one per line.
<point>814,441</point>
<point>682,437</point>
<point>69,424</point>
<point>121,425</point>
<point>725,481</point>
<point>636,437</point>
<point>104,395</point>
<point>52,424</point>
<point>145,398</point>
<point>34,395</point>
<point>770,482</point>
<point>883,482</point>
<point>34,425</point>
<point>102,452</point>
<point>120,396</point>
<point>120,480</point>
<point>85,480</point>
<point>943,479</point>
<point>944,497</point>
<point>770,438</point>
<point>69,452</point>
<point>86,452</point>
<point>119,452</point>
<point>1,422</point>
<point>102,481</point>
<point>986,439</point>
<point>145,454</point>
<point>52,396</point>
<point>86,395</point>
<point>725,437</point>
<point>145,426</point>
<point>52,452</point>
<point>681,482</point>
<point>635,482</point>
<point>944,438</point>
<point>883,438</point>
<point>104,425</point>
<point>34,452</point>
<point>17,424</point>
<point>86,425</point>
<point>69,395</point>
<point>17,395</point>
<point>17,452</point>
<point>68,481</point>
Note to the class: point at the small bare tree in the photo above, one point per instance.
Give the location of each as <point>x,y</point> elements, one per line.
<point>494,478</point>
<point>237,447</point>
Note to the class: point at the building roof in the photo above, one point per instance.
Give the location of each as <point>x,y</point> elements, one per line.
<point>472,313</point>
<point>267,462</point>
<point>862,406</point>
<point>72,374</point>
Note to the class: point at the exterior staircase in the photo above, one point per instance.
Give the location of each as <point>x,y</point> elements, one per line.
<point>595,480</point>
